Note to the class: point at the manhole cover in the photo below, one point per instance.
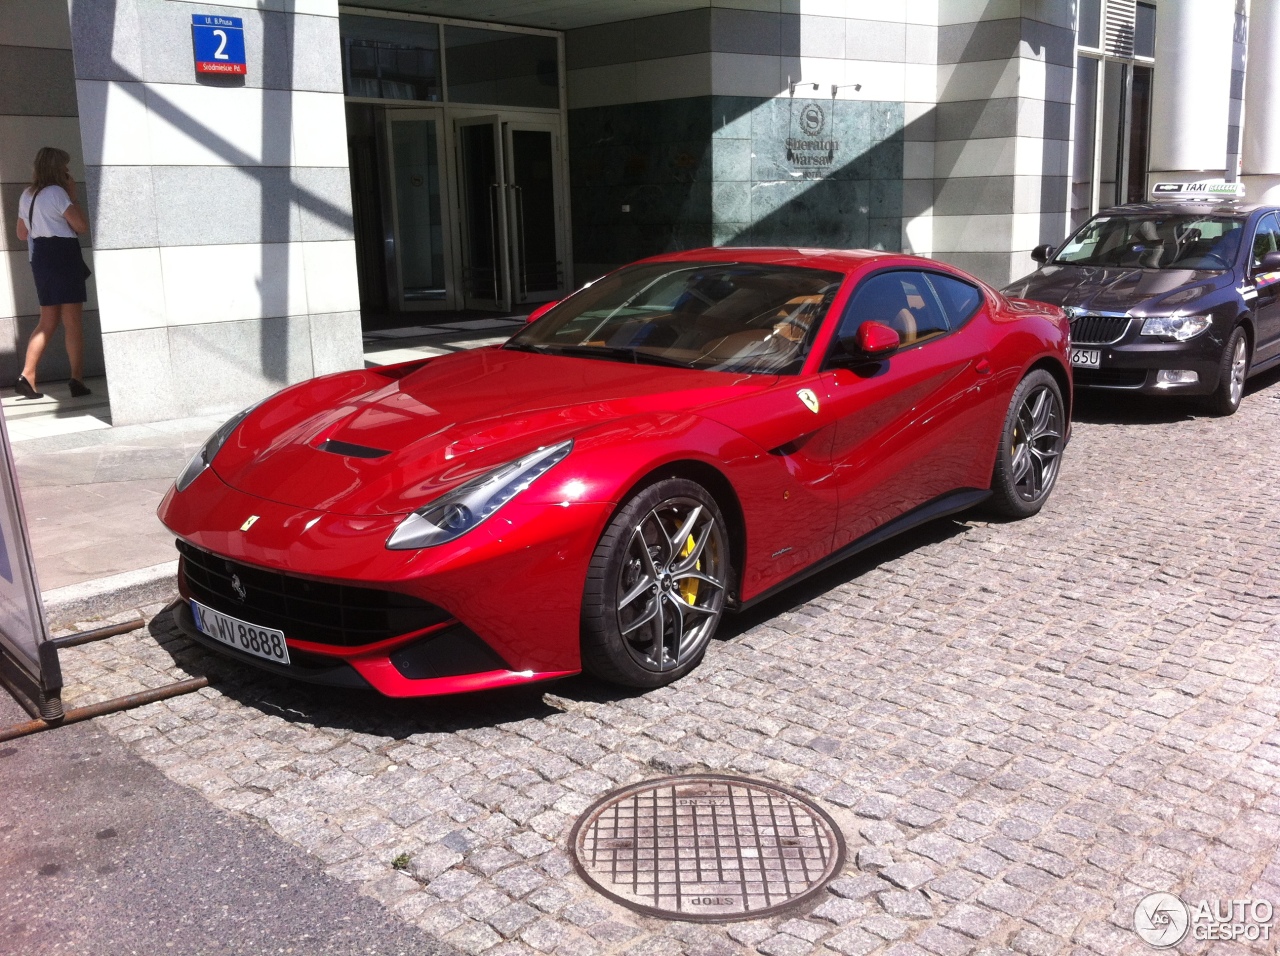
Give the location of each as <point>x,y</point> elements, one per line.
<point>706,847</point>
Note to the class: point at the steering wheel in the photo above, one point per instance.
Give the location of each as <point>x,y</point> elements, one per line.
<point>1219,258</point>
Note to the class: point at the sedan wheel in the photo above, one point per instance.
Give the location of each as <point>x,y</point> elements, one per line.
<point>1232,374</point>
<point>1030,447</point>
<point>656,587</point>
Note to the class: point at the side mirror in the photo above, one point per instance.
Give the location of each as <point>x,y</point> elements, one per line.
<point>540,311</point>
<point>1270,263</point>
<point>1042,253</point>
<point>872,339</point>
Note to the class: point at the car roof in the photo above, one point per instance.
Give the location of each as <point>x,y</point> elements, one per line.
<point>835,260</point>
<point>1231,210</point>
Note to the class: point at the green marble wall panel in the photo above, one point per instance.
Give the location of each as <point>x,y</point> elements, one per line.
<point>734,170</point>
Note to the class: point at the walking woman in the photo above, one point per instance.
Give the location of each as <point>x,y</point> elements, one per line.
<point>50,220</point>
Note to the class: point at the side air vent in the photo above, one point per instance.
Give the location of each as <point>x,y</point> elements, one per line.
<point>350,450</point>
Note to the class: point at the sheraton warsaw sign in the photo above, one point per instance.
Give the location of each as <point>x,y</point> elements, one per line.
<point>811,149</point>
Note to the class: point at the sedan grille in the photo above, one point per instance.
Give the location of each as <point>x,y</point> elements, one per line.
<point>305,610</point>
<point>1098,329</point>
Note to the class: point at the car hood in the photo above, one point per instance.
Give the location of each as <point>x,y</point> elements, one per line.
<point>1100,289</point>
<point>364,443</point>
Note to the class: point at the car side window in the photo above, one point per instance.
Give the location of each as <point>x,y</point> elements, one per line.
<point>959,299</point>
<point>1266,239</point>
<point>902,300</point>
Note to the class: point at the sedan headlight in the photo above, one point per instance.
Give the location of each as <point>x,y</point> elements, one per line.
<point>1177,327</point>
<point>204,457</point>
<point>454,514</point>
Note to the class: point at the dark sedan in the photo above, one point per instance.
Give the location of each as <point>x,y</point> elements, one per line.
<point>1168,298</point>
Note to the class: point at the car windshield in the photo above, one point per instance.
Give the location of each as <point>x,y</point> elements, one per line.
<point>720,316</point>
<point>1155,241</point>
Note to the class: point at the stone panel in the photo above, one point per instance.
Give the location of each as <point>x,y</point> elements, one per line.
<point>35,82</point>
<point>227,365</point>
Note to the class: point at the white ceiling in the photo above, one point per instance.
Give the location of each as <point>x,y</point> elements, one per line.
<point>548,14</point>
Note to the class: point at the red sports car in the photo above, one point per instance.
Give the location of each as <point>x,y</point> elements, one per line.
<point>685,436</point>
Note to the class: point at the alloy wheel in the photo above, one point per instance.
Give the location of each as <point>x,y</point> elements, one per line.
<point>670,589</point>
<point>1037,444</point>
<point>1239,368</point>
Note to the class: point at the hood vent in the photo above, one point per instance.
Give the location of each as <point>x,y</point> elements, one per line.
<point>350,450</point>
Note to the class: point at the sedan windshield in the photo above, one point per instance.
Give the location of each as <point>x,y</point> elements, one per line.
<point>1174,241</point>
<point>721,316</point>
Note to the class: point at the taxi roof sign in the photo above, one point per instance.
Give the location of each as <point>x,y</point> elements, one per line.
<point>1204,189</point>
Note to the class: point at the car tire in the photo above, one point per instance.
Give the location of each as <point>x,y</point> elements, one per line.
<point>656,586</point>
<point>1232,372</point>
<point>1031,445</point>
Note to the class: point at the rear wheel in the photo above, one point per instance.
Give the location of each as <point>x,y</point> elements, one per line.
<point>1231,374</point>
<point>656,586</point>
<point>1030,447</point>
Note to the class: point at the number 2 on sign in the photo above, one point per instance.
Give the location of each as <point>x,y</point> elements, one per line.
<point>219,53</point>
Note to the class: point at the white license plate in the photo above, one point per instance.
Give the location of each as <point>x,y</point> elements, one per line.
<point>243,636</point>
<point>1086,358</point>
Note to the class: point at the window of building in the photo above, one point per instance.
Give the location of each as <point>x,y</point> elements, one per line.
<point>1144,31</point>
<point>501,68</point>
<point>390,59</point>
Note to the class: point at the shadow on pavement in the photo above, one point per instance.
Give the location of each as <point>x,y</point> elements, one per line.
<point>370,713</point>
<point>1124,408</point>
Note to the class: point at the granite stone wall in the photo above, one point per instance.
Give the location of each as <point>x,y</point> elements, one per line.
<point>220,206</point>
<point>37,108</point>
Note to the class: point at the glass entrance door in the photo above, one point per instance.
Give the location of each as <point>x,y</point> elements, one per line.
<point>537,262</point>
<point>419,212</point>
<point>512,223</point>
<point>482,189</point>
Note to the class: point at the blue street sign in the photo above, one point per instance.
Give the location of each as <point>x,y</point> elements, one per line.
<point>219,44</point>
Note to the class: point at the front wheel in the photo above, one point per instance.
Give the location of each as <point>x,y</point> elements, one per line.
<point>656,586</point>
<point>1030,447</point>
<point>1232,373</point>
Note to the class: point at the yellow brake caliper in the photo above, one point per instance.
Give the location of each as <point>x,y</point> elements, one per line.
<point>689,586</point>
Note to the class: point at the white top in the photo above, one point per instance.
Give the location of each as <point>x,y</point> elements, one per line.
<point>46,219</point>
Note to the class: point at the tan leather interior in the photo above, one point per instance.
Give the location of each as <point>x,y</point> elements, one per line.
<point>904,323</point>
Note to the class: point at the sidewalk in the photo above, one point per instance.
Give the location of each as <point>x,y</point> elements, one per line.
<point>91,490</point>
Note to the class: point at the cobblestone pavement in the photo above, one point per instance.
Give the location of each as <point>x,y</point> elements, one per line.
<point>1022,729</point>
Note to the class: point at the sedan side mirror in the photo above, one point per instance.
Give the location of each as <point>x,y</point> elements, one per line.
<point>872,339</point>
<point>540,311</point>
<point>1270,263</point>
<point>1042,253</point>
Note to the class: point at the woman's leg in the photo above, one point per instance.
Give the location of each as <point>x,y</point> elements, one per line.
<point>74,329</point>
<point>49,320</point>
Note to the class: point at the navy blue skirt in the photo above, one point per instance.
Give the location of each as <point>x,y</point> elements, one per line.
<point>59,269</point>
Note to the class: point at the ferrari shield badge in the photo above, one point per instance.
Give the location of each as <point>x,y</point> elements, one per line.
<point>810,400</point>
<point>249,524</point>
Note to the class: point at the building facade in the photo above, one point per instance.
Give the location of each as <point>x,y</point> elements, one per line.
<point>390,163</point>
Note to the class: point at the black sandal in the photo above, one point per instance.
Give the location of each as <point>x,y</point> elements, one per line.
<point>23,388</point>
<point>78,388</point>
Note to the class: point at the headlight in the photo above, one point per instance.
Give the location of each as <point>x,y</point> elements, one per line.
<point>454,514</point>
<point>210,448</point>
<point>1179,327</point>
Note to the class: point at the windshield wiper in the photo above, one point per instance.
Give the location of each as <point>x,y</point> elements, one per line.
<point>614,353</point>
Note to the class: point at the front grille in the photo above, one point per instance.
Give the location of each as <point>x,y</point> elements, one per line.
<point>1109,377</point>
<point>1098,329</point>
<point>305,610</point>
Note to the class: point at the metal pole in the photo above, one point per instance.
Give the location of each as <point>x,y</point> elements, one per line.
<point>114,705</point>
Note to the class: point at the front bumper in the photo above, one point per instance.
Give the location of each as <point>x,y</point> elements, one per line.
<point>1133,364</point>
<point>510,590</point>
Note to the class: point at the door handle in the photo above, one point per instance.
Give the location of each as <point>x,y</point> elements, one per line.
<point>983,367</point>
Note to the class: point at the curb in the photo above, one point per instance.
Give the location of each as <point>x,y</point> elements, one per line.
<point>104,597</point>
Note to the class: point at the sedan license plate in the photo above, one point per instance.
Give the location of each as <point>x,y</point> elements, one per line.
<point>1086,358</point>
<point>243,636</point>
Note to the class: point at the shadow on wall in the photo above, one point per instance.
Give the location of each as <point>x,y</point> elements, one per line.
<point>791,170</point>
<point>275,294</point>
